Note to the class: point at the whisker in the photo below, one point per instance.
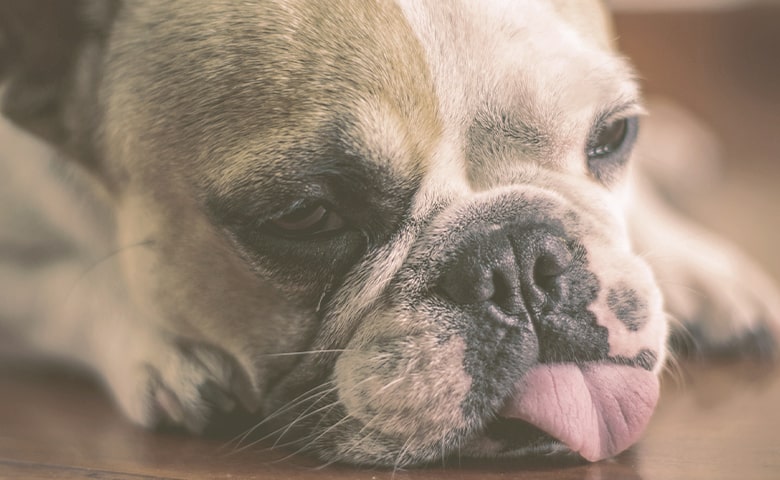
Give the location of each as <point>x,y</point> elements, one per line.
<point>311,441</point>
<point>398,466</point>
<point>302,398</point>
<point>388,385</point>
<point>284,429</point>
<point>356,443</point>
<point>324,294</point>
<point>673,367</point>
<point>305,396</point>
<point>460,463</point>
<point>304,415</point>
<point>105,258</point>
<point>443,446</point>
<point>307,413</point>
<point>657,254</point>
<point>308,352</point>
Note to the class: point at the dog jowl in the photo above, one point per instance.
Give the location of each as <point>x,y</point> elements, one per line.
<point>394,231</point>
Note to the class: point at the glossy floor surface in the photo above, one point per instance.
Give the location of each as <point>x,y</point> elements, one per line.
<point>714,421</point>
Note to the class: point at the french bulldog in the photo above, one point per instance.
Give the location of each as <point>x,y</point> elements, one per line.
<point>393,230</point>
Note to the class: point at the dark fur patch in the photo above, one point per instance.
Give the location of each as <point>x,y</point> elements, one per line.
<point>758,343</point>
<point>646,359</point>
<point>570,332</point>
<point>628,307</point>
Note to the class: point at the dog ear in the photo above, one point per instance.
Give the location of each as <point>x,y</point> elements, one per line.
<point>48,69</point>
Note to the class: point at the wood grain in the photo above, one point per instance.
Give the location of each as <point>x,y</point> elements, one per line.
<point>713,422</point>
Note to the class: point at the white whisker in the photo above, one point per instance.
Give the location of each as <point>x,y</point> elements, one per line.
<point>312,395</point>
<point>309,352</point>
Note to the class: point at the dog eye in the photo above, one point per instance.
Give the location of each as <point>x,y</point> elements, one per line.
<point>610,146</point>
<point>307,221</point>
<point>609,139</point>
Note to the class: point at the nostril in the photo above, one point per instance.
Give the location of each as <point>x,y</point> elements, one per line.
<point>554,260</point>
<point>546,272</point>
<point>545,277</point>
<point>506,290</point>
<point>509,271</point>
<point>483,272</point>
<point>466,285</point>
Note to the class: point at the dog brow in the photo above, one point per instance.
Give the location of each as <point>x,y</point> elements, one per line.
<point>624,107</point>
<point>530,136</point>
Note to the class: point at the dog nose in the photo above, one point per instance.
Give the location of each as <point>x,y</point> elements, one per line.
<point>511,270</point>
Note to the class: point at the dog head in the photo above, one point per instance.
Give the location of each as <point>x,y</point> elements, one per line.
<point>425,199</point>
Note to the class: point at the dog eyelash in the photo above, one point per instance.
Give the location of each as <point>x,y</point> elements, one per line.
<point>609,138</point>
<point>609,146</point>
<point>304,221</point>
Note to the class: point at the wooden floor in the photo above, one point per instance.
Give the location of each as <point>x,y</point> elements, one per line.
<point>714,421</point>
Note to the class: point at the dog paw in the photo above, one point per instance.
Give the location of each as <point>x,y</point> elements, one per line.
<point>182,385</point>
<point>722,304</point>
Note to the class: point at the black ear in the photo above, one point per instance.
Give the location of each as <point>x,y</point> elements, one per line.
<point>49,52</point>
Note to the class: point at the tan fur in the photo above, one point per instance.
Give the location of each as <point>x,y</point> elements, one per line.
<point>426,125</point>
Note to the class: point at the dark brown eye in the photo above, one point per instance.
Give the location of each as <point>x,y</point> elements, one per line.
<point>609,148</point>
<point>609,139</point>
<point>307,221</point>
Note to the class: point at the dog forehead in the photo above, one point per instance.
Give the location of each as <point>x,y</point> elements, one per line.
<point>519,79</point>
<point>590,18</point>
<point>258,94</point>
<point>253,86</point>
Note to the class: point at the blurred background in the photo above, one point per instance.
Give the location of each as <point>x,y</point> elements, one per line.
<point>718,61</point>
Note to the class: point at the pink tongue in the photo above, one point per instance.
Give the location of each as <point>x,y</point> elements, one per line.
<point>596,409</point>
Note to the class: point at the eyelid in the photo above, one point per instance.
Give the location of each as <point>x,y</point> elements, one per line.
<point>309,194</point>
<point>625,110</point>
<point>297,204</point>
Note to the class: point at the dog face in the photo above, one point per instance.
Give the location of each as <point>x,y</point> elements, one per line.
<point>425,199</point>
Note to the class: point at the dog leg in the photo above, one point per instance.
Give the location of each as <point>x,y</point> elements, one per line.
<point>62,292</point>
<point>720,301</point>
